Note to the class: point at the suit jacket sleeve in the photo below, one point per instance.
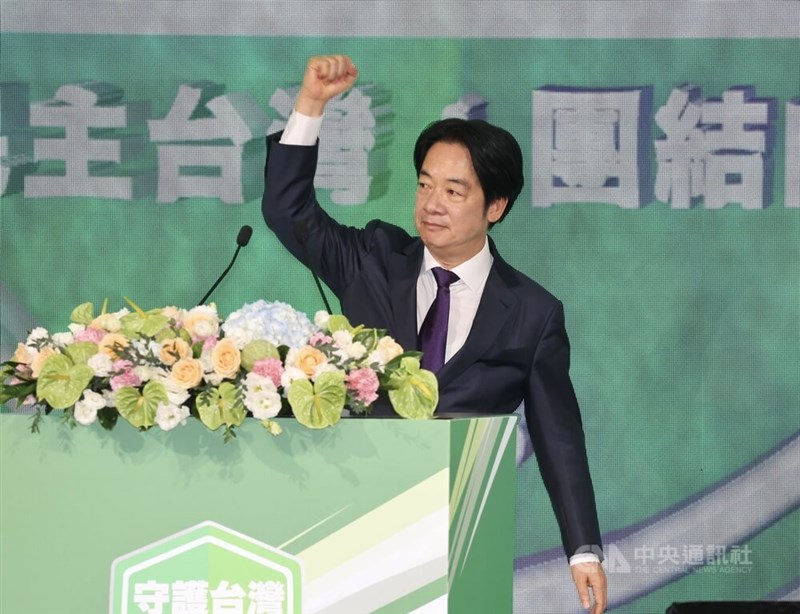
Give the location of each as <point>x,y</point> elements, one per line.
<point>331,249</point>
<point>556,430</point>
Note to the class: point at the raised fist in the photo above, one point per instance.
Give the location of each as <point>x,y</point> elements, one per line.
<point>326,76</point>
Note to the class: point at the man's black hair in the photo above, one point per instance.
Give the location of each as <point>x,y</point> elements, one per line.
<point>496,155</point>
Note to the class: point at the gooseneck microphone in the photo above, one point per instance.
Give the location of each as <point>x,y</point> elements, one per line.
<point>243,238</point>
<point>301,233</point>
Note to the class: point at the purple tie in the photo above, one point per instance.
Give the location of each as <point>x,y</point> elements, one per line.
<point>432,337</point>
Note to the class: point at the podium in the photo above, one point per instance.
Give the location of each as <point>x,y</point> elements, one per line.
<point>372,515</point>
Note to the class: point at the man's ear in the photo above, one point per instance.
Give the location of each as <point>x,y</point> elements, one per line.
<point>496,209</point>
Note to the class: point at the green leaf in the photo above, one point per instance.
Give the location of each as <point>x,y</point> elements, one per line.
<point>140,408</point>
<point>222,405</point>
<point>61,382</point>
<point>413,392</point>
<point>81,352</point>
<point>318,404</point>
<point>82,314</point>
<point>258,350</point>
<point>18,392</point>
<point>164,334</point>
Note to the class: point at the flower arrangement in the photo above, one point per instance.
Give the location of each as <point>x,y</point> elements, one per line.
<point>163,366</point>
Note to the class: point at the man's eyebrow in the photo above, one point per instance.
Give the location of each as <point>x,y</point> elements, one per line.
<point>458,180</point>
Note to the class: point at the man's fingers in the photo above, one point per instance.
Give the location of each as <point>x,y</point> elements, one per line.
<point>333,68</point>
<point>590,580</point>
<point>583,594</point>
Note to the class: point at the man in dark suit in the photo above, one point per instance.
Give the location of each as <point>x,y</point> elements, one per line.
<point>504,342</point>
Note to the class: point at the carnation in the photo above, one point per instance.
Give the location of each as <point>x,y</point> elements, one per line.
<point>95,335</point>
<point>363,385</point>
<point>269,367</point>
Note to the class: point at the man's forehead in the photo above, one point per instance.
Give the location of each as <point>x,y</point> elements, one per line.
<point>450,162</point>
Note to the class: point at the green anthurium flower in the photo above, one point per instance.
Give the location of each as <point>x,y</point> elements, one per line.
<point>81,352</point>
<point>258,350</point>
<point>82,314</point>
<point>140,408</point>
<point>147,324</point>
<point>222,405</point>
<point>413,392</point>
<point>61,381</point>
<point>318,404</point>
<point>339,322</point>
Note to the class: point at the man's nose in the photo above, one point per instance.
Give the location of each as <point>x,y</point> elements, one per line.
<point>433,203</point>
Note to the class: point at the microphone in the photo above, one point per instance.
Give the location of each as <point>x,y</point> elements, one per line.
<point>301,233</point>
<point>242,239</point>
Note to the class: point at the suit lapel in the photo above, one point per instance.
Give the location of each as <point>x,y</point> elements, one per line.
<point>496,305</point>
<point>404,271</point>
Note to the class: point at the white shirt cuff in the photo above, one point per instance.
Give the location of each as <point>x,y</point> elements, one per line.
<point>301,129</point>
<point>583,557</point>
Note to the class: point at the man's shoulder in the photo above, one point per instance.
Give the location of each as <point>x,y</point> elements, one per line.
<point>524,286</point>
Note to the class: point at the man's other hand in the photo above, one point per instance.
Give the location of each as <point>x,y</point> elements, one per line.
<point>591,576</point>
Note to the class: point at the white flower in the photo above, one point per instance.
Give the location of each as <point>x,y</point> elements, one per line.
<point>342,338</point>
<point>76,328</point>
<point>108,395</point>
<point>175,394</point>
<point>261,397</point>
<point>63,339</point>
<point>290,374</point>
<point>146,372</point>
<point>209,375</point>
<point>100,364</point>
<point>86,409</point>
<point>37,334</point>
<point>168,416</point>
<point>321,319</point>
<point>351,351</point>
<point>256,383</point>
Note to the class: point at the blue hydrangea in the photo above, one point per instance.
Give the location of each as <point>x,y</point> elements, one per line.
<point>277,322</point>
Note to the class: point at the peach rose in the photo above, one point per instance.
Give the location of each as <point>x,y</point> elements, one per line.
<point>111,342</point>
<point>308,359</point>
<point>173,350</point>
<point>201,322</point>
<point>106,321</point>
<point>38,361</point>
<point>187,373</point>
<point>389,348</point>
<point>22,354</point>
<point>226,358</point>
